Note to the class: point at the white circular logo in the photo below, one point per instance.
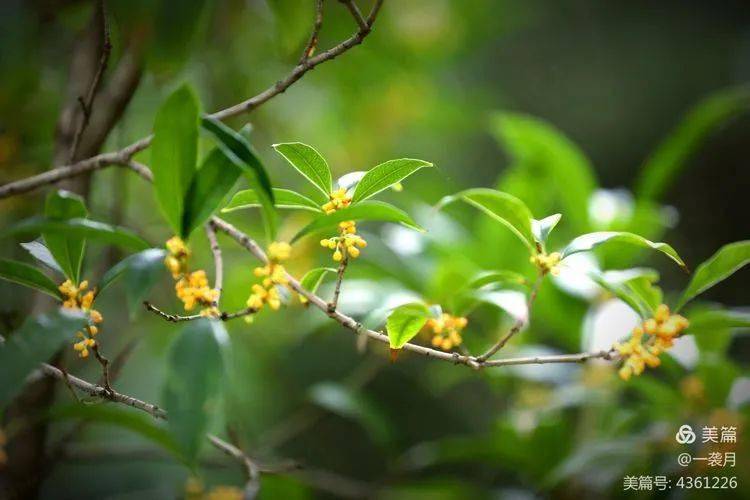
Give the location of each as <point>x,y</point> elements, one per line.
<point>685,435</point>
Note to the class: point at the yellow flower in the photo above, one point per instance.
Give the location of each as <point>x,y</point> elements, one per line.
<point>179,254</point>
<point>338,199</point>
<point>347,244</point>
<point>649,340</point>
<point>193,290</point>
<point>547,263</point>
<point>279,251</point>
<point>446,331</point>
<point>77,298</point>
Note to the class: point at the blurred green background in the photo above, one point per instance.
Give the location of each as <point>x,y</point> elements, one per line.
<point>560,103</point>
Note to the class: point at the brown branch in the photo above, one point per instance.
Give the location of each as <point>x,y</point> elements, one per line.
<point>218,262</point>
<point>518,324</point>
<point>123,156</point>
<point>339,279</point>
<point>176,318</point>
<point>312,43</point>
<point>87,103</point>
<point>356,14</point>
<point>104,362</point>
<point>251,469</point>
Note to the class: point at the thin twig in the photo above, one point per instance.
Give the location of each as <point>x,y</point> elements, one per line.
<point>339,279</point>
<point>218,262</point>
<point>105,366</point>
<point>312,43</point>
<point>123,156</point>
<point>88,103</point>
<point>518,324</point>
<point>356,14</point>
<point>251,469</point>
<point>65,379</point>
<point>176,318</point>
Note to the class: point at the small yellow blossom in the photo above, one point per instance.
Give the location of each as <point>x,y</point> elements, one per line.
<point>446,330</point>
<point>177,259</point>
<point>274,274</point>
<point>193,290</point>
<point>338,199</point>
<point>547,263</point>
<point>649,340</point>
<point>279,251</point>
<point>77,298</point>
<point>347,244</point>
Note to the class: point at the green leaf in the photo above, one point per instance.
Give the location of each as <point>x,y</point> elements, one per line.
<point>672,155</point>
<point>42,254</point>
<point>141,271</point>
<point>65,248</point>
<point>366,210</point>
<point>174,152</point>
<point>193,383</point>
<point>84,228</point>
<point>385,175</point>
<point>314,277</point>
<point>501,278</point>
<point>239,150</point>
<point>285,198</point>
<point>587,242</point>
<point>35,342</point>
<point>309,163</point>
<point>27,275</point>
<point>119,416</point>
<point>543,152</point>
<point>405,322</point>
<point>713,328</point>
<point>632,286</point>
<point>727,261</point>
<point>503,207</point>
<point>210,186</point>
<point>542,228</point>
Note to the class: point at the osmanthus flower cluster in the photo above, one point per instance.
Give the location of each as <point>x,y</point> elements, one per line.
<point>192,288</point>
<point>78,298</point>
<point>274,276</point>
<point>648,340</point>
<point>446,330</point>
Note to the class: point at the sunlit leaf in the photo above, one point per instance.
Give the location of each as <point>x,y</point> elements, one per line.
<point>83,228</point>
<point>542,228</point>
<point>174,152</point>
<point>239,150</point>
<point>119,416</point>
<point>314,277</point>
<point>210,186</point>
<point>503,207</point>
<point>727,261</point>
<point>405,322</point>
<point>364,211</point>
<point>309,163</point>
<point>587,242</point>
<point>551,159</point>
<point>632,286</point>
<point>385,175</point>
<point>27,275</point>
<point>285,198</point>
<point>42,254</point>
<point>671,156</point>
<point>67,249</point>
<point>193,382</point>
<point>35,342</point>
<point>140,271</point>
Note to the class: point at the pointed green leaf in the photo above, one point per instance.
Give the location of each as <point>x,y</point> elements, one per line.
<point>83,228</point>
<point>193,382</point>
<point>174,152</point>
<point>405,322</point>
<point>365,211</point>
<point>727,261</point>
<point>35,342</point>
<point>587,242</point>
<point>671,156</point>
<point>67,249</point>
<point>309,163</point>
<point>42,254</point>
<point>285,198</point>
<point>632,286</point>
<point>27,275</point>
<point>239,150</point>
<point>542,228</point>
<point>210,186</point>
<point>314,277</point>
<point>502,278</point>
<point>385,175</point>
<point>140,271</point>
<point>503,207</point>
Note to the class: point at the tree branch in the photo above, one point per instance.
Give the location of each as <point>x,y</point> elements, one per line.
<point>176,318</point>
<point>339,279</point>
<point>312,43</point>
<point>218,262</point>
